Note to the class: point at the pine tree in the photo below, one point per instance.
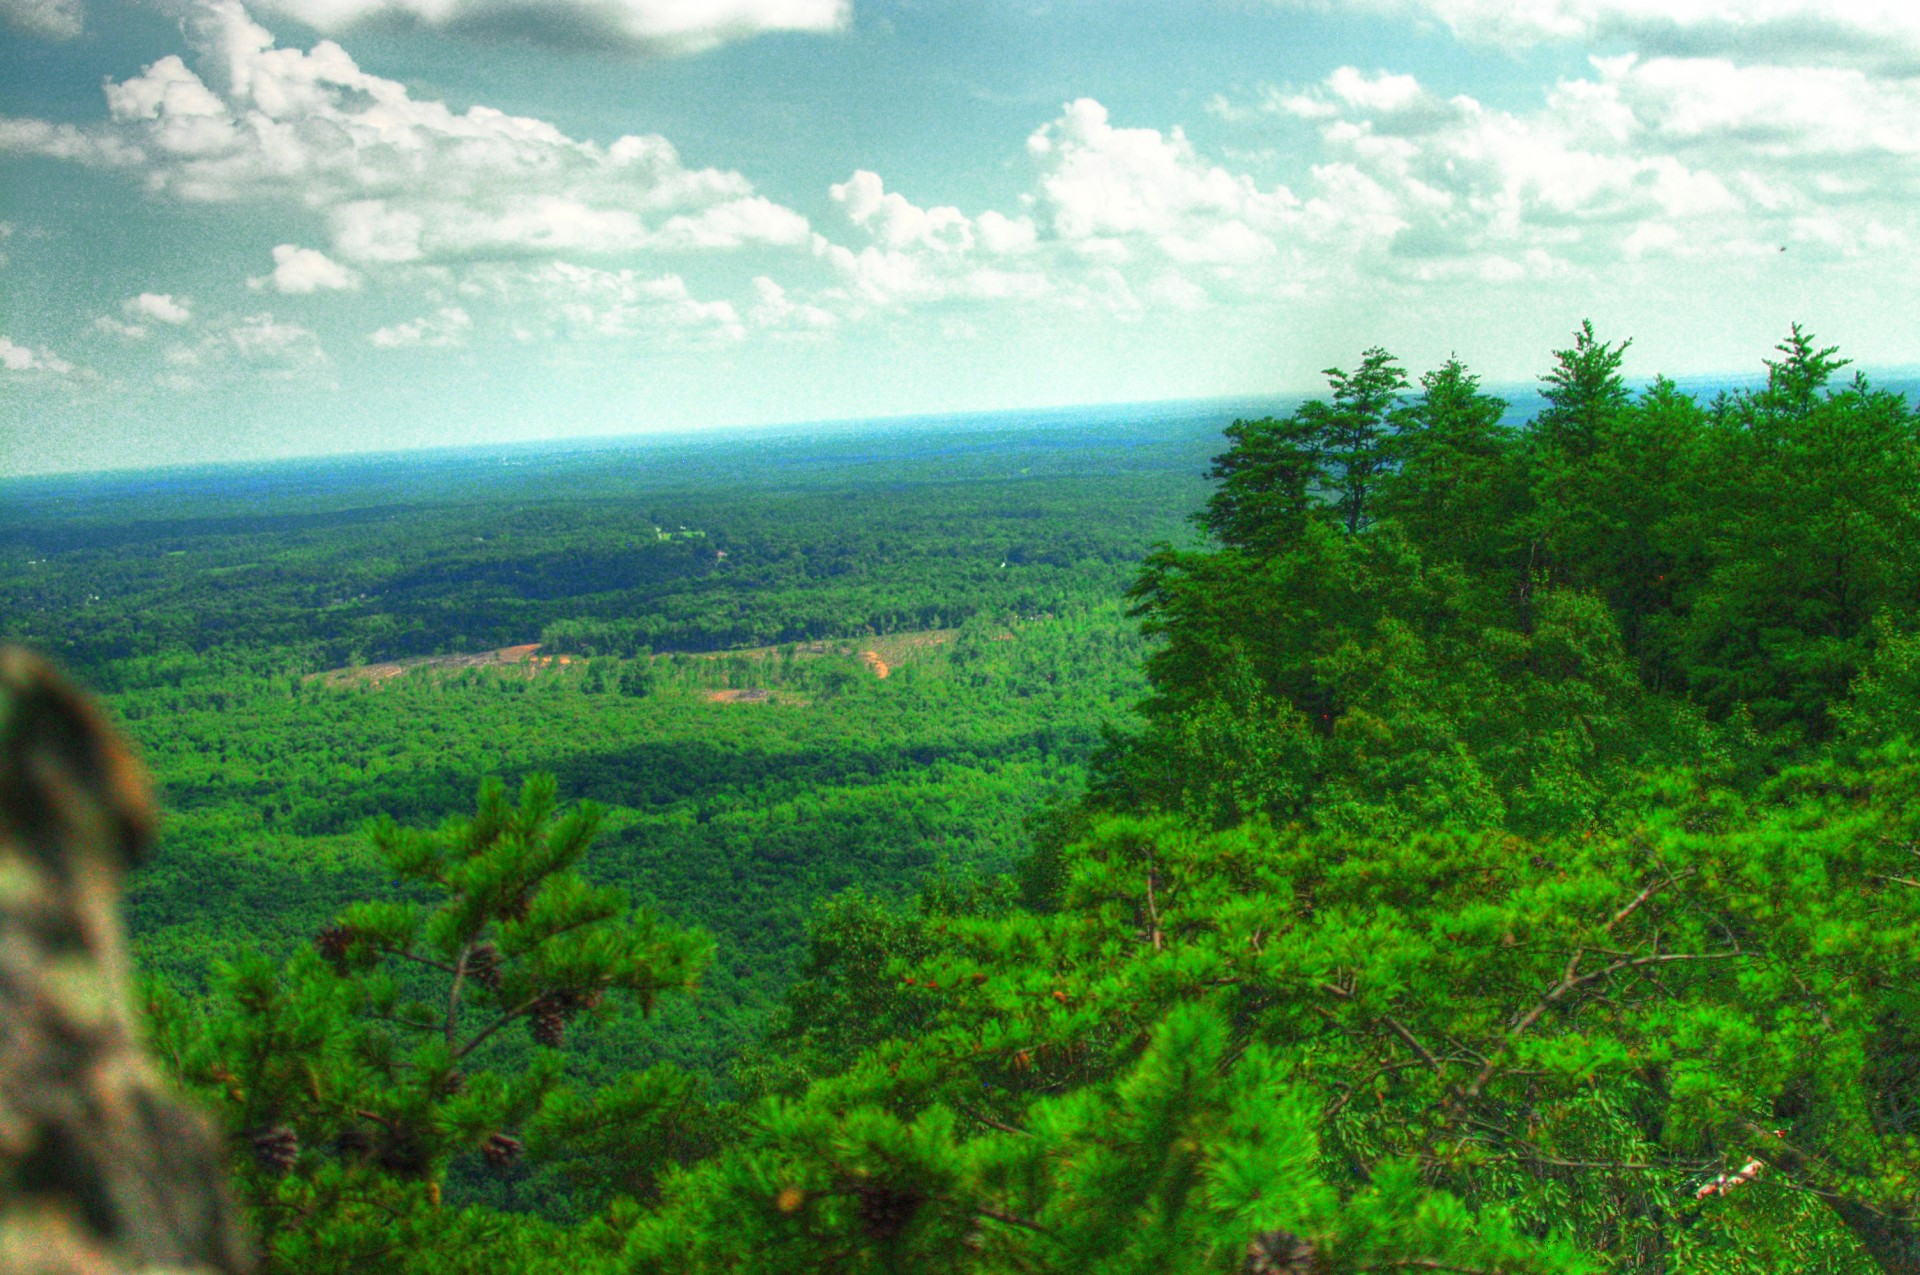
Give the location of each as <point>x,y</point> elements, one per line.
<point>362,1068</point>
<point>1266,480</point>
<point>1802,371</point>
<point>1584,391</point>
<point>1361,429</point>
<point>1458,491</point>
<point>1276,471</point>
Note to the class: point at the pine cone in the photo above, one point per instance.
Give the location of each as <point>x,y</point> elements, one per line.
<point>334,942</point>
<point>276,1149</point>
<point>1279,1253</point>
<point>549,1020</point>
<point>501,1150</point>
<point>885,1212</point>
<point>483,965</point>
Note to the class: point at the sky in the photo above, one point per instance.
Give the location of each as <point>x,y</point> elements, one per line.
<point>244,229</point>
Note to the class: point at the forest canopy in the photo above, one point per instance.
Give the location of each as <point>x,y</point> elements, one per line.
<point>1509,867</point>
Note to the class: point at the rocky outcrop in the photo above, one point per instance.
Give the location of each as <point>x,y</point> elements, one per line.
<point>102,1172</point>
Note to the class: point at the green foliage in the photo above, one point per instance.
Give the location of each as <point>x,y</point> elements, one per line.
<point>1457,493</point>
<point>354,1077</point>
<point>1190,1159</point>
<point>1529,619</point>
<point>1267,479</point>
<point>1508,869</point>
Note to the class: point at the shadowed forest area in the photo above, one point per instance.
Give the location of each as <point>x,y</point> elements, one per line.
<point>1398,833</point>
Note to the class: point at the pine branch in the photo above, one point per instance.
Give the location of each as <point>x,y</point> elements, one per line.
<point>1413,1043</point>
<point>1571,980</point>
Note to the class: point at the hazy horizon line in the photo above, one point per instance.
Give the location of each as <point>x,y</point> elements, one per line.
<point>1905,377</point>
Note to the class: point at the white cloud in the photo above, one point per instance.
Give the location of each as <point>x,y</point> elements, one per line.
<point>1381,92</point>
<point>644,27</point>
<point>447,327</point>
<point>1118,219</point>
<point>1716,139</point>
<point>1695,157</point>
<point>159,307</point>
<point>261,336</point>
<point>401,179</point>
<point>1869,32</point>
<point>733,224</point>
<point>896,223</point>
<point>1098,181</point>
<point>1643,157</point>
<point>142,311</point>
<point>584,302</point>
<point>21,361</point>
<point>48,19</point>
<point>367,230</point>
<point>775,309</point>
<point>916,255</point>
<point>298,271</point>
<point>68,142</point>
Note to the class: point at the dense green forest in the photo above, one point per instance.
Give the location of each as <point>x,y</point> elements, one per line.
<point>1430,841</point>
<point>267,637</point>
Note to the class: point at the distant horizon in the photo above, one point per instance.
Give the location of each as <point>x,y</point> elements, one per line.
<point>1522,399</point>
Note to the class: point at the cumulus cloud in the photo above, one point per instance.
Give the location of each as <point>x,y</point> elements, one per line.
<point>23,361</point>
<point>1101,186</point>
<point>449,326</point>
<point>1874,32</point>
<point>648,28</point>
<point>96,147</point>
<point>298,271</point>
<point>906,253</point>
<point>588,302</point>
<point>138,313</point>
<point>1642,157</point>
<point>47,19</point>
<point>159,307</point>
<point>399,179</point>
<point>1645,156</point>
<point>733,224</point>
<point>262,337</point>
<point>1119,219</point>
<point>1693,132</point>
<point>775,309</point>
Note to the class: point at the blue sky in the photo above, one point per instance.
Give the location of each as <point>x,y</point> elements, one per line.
<point>241,230</point>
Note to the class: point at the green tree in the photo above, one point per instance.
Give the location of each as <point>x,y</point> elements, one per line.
<point>1459,491</point>
<point>1361,428</point>
<point>1584,391</point>
<point>1265,483</point>
<point>355,1075</point>
<point>1274,472</point>
<point>1811,531</point>
<point>1200,1156</point>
